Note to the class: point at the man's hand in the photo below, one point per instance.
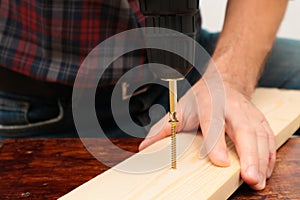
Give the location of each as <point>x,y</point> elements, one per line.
<point>244,124</point>
<point>247,36</point>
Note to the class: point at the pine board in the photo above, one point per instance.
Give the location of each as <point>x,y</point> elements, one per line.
<point>194,178</point>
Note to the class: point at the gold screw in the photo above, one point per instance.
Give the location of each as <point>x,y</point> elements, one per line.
<point>173,120</point>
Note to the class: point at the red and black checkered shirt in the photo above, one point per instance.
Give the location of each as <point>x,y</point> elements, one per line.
<point>48,39</point>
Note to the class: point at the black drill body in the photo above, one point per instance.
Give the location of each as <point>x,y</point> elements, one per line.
<point>178,15</point>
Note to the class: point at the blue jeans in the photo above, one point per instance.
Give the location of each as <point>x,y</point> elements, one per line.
<point>282,69</point>
<point>30,116</point>
<point>25,116</point>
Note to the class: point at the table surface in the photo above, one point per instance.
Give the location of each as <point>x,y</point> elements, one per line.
<point>50,168</point>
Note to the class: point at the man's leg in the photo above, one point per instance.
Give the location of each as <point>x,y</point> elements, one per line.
<point>282,69</point>
<point>31,116</point>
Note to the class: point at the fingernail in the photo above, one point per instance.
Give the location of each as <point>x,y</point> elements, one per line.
<point>262,182</point>
<point>145,143</point>
<point>224,158</point>
<point>253,172</point>
<point>142,146</point>
<point>269,173</point>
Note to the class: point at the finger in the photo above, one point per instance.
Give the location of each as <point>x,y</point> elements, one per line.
<point>263,156</point>
<point>246,146</point>
<point>159,131</point>
<point>211,120</point>
<point>162,128</point>
<point>217,149</point>
<point>214,137</point>
<point>272,149</point>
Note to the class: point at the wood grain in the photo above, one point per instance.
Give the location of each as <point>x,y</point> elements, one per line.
<point>48,168</point>
<point>38,169</point>
<point>195,178</point>
<point>285,181</point>
<point>1,144</point>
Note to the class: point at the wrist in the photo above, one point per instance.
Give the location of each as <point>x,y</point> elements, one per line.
<point>240,62</point>
<point>245,89</point>
<point>237,74</point>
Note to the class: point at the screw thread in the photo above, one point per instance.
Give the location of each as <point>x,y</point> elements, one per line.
<point>173,145</point>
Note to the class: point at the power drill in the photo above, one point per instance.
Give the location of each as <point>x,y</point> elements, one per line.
<point>178,15</point>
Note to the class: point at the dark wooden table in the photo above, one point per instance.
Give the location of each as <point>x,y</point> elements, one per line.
<point>50,168</point>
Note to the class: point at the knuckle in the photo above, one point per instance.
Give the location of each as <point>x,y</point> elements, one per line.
<point>264,161</point>
<point>236,105</point>
<point>249,130</point>
<point>262,135</point>
<point>271,136</point>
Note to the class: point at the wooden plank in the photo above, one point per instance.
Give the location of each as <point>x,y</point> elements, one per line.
<point>195,178</point>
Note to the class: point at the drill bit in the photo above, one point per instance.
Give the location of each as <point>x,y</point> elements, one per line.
<point>173,120</point>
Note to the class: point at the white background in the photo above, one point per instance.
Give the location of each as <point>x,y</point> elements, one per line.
<point>213,14</point>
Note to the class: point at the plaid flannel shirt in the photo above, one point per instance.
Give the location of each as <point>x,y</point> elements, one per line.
<point>48,39</point>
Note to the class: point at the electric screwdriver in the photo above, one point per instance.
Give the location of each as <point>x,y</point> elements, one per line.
<point>178,15</point>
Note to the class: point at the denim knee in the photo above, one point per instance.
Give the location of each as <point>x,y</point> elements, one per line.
<point>23,116</point>
<point>282,69</point>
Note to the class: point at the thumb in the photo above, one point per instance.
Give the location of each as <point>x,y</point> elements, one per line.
<point>159,131</point>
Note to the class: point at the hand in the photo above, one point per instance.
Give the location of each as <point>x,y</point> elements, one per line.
<point>244,124</point>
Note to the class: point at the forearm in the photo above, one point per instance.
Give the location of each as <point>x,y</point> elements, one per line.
<point>248,33</point>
